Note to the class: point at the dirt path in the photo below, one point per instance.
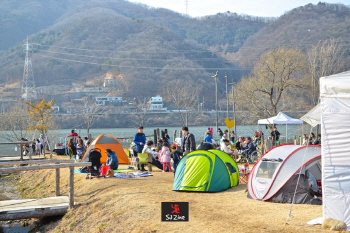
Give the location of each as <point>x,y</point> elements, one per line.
<point>133,205</point>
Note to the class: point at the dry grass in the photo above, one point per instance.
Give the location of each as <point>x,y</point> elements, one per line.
<point>133,205</point>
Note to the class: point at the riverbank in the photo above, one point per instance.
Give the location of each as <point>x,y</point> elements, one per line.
<point>133,205</point>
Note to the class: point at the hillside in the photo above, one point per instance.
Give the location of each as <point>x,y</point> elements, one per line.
<point>301,28</point>
<point>77,41</point>
<point>19,18</point>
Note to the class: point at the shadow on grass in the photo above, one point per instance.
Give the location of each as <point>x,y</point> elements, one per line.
<point>238,188</point>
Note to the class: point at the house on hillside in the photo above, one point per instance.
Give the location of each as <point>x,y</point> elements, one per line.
<point>156,104</point>
<point>109,81</point>
<point>108,100</point>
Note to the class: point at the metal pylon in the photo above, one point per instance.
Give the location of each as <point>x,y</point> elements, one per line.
<point>28,85</point>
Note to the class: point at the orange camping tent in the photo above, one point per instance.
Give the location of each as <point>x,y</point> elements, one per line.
<point>104,142</point>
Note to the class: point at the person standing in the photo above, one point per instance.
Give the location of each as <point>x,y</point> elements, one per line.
<point>41,140</point>
<point>72,148</point>
<point>140,141</point>
<point>188,141</point>
<point>275,135</point>
<point>164,156</point>
<point>232,136</point>
<point>175,156</point>
<point>80,149</point>
<point>73,135</point>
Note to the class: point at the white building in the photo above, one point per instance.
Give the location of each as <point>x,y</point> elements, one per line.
<point>56,108</point>
<point>156,104</point>
<point>108,100</point>
<point>109,82</point>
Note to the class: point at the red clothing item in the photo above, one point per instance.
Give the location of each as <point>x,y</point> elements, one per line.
<point>73,135</point>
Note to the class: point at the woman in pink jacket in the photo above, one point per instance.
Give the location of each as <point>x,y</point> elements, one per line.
<point>164,156</point>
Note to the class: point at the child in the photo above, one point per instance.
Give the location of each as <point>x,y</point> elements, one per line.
<point>175,156</point>
<point>164,156</point>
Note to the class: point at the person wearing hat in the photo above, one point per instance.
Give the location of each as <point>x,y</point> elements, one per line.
<point>140,141</point>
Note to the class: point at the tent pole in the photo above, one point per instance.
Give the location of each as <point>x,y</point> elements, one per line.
<point>302,130</point>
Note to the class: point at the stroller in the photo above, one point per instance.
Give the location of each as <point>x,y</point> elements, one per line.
<point>95,159</point>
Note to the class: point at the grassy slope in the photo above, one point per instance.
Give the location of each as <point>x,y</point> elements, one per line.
<point>133,205</point>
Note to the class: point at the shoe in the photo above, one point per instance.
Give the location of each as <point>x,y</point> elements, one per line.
<point>143,170</point>
<point>163,171</point>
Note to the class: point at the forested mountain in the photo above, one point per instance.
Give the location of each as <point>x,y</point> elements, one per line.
<point>302,27</point>
<point>76,40</point>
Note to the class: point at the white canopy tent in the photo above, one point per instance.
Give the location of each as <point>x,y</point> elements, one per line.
<point>335,128</point>
<point>313,117</point>
<point>280,119</point>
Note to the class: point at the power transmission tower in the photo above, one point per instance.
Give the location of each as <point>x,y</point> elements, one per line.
<point>28,85</point>
<point>186,7</point>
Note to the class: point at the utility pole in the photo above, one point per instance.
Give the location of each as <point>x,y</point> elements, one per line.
<point>228,114</point>
<point>234,107</point>
<point>216,97</point>
<point>28,85</point>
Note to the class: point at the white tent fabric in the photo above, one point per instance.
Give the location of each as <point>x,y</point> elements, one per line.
<point>313,117</point>
<point>280,119</point>
<point>335,129</point>
<point>266,181</point>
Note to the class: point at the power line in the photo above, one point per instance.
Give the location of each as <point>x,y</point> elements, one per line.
<point>147,67</point>
<point>132,59</point>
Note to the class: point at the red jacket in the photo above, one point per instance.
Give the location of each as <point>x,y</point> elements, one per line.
<point>72,135</point>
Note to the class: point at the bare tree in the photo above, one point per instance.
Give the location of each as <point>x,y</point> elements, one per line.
<point>325,58</point>
<point>141,110</point>
<point>276,76</point>
<point>184,98</point>
<point>87,111</point>
<point>14,123</point>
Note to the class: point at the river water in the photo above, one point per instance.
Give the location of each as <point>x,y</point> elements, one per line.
<point>125,134</point>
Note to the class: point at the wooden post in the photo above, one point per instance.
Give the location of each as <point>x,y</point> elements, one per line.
<point>295,140</point>
<point>155,137</point>
<point>71,187</point>
<point>158,133</point>
<point>175,132</point>
<point>57,181</point>
<point>166,131</point>
<point>21,146</point>
<point>180,133</point>
<point>262,144</point>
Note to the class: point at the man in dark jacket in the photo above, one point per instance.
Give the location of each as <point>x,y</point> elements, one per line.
<point>140,141</point>
<point>249,147</point>
<point>188,141</point>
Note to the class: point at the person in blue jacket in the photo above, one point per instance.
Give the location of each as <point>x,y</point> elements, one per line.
<point>112,159</point>
<point>207,138</point>
<point>140,141</point>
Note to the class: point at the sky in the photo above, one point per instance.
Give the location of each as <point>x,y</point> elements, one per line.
<point>265,8</point>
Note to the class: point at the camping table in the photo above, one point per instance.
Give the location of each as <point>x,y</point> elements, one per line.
<point>243,178</point>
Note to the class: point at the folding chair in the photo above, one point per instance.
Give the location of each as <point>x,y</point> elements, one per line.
<point>143,159</point>
<point>133,159</point>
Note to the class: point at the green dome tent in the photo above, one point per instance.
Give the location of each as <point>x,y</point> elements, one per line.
<point>206,171</point>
